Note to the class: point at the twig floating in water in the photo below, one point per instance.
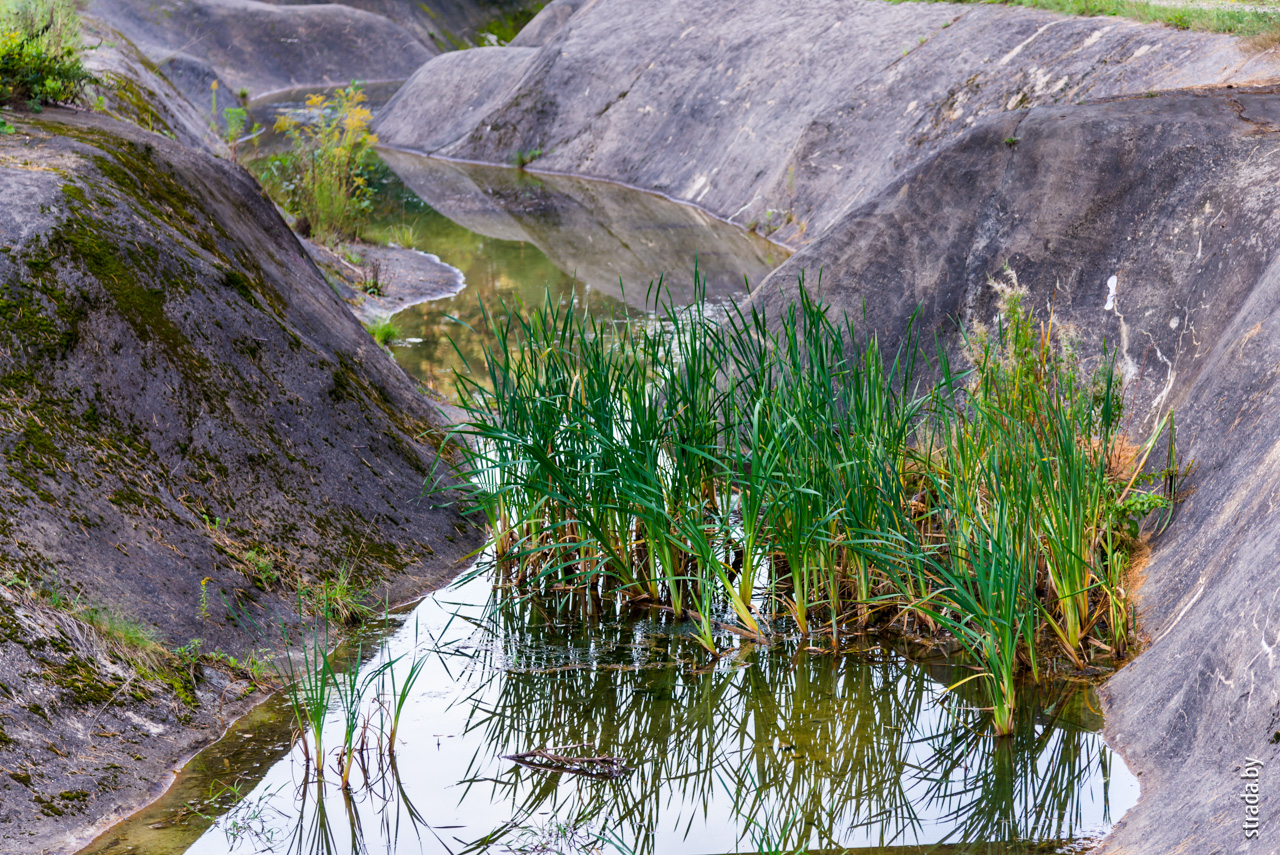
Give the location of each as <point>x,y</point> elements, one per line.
<point>547,760</point>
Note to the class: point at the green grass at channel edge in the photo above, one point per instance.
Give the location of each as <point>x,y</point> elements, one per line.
<point>1214,19</point>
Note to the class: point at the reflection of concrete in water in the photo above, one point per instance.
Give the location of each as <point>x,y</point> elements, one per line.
<point>603,233</point>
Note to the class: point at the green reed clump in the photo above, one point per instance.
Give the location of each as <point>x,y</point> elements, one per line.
<point>736,469</point>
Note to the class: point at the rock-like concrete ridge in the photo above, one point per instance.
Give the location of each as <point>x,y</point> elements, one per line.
<point>178,387</point>
<point>262,47</point>
<point>800,109</point>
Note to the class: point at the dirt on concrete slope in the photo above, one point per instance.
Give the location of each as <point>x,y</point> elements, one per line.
<point>1149,225</point>
<point>192,427</point>
<point>777,115</point>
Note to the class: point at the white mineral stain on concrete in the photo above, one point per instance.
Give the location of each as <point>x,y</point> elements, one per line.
<point>1129,369</point>
<point>1094,38</point>
<point>1004,60</point>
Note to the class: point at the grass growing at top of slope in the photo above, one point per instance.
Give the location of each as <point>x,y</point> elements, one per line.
<point>1213,18</point>
<point>40,54</point>
<point>740,471</point>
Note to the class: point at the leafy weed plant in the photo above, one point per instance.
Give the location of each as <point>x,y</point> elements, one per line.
<point>40,51</point>
<point>323,178</point>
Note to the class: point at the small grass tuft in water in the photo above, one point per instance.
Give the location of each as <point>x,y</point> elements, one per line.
<point>741,470</point>
<point>310,688</point>
<point>384,331</point>
<point>368,702</point>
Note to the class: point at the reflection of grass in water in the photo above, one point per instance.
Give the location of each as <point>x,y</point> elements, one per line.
<point>316,831</point>
<point>838,744</point>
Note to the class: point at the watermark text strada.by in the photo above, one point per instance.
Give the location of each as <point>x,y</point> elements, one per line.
<point>1250,796</point>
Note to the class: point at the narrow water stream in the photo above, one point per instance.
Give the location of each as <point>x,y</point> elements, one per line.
<point>768,745</point>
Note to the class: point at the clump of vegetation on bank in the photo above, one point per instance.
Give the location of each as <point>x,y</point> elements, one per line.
<point>323,179</point>
<point>741,470</point>
<point>507,25</point>
<point>500,30</point>
<point>40,51</point>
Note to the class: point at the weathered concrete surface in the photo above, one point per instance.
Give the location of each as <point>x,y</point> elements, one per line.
<point>1150,224</point>
<point>800,108</point>
<point>262,47</point>
<point>608,236</point>
<point>134,90</point>
<point>178,387</point>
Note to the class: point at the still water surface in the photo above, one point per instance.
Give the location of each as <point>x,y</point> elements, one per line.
<point>517,236</point>
<point>863,751</point>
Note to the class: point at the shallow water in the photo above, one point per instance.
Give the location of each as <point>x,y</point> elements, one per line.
<point>862,751</point>
<point>865,751</point>
<point>517,237</point>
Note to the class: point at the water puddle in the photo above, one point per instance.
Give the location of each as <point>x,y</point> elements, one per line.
<point>863,752</point>
<point>766,749</point>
